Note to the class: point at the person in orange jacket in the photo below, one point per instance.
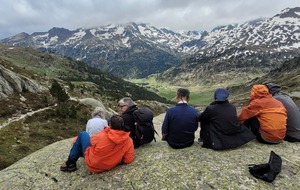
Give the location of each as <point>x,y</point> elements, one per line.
<point>104,150</point>
<point>265,115</point>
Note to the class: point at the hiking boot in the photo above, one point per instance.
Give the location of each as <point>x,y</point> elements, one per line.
<point>68,166</point>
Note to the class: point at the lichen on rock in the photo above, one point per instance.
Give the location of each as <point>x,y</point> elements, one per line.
<point>157,166</point>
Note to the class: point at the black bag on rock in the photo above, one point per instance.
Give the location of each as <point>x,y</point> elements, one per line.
<point>267,171</point>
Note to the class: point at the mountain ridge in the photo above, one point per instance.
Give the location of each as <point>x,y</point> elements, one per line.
<point>142,50</point>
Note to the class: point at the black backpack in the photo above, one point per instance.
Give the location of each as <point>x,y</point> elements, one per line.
<point>144,129</point>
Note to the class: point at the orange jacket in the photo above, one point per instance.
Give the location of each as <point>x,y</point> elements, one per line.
<point>109,148</point>
<point>270,113</point>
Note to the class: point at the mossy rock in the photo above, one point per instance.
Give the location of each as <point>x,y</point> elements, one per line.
<point>157,166</point>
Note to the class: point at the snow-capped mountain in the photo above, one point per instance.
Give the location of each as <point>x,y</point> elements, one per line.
<point>278,33</point>
<point>237,51</point>
<point>138,50</point>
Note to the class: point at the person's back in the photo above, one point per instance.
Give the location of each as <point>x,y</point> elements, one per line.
<point>102,151</point>
<point>222,116</point>
<point>270,113</point>
<point>180,122</point>
<point>97,122</point>
<point>220,128</point>
<point>293,114</point>
<point>127,106</point>
<point>109,148</point>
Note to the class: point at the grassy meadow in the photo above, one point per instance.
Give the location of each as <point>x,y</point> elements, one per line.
<point>201,96</point>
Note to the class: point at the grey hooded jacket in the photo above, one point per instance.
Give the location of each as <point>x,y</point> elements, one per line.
<point>293,121</point>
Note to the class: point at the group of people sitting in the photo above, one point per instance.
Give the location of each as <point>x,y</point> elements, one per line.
<point>270,117</point>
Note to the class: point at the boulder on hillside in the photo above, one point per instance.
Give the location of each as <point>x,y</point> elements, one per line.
<point>92,102</point>
<point>11,82</point>
<point>157,166</point>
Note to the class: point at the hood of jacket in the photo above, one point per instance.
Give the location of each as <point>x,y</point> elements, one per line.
<point>273,88</point>
<point>259,91</point>
<point>117,136</point>
<point>131,109</point>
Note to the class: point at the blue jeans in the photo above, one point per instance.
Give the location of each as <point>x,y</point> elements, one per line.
<point>81,144</point>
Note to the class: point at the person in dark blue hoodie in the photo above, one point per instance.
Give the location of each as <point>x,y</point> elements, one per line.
<point>220,128</point>
<point>180,122</point>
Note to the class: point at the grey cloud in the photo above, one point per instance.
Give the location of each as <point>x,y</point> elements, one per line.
<point>41,15</point>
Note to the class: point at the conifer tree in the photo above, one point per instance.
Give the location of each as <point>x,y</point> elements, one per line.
<point>58,92</point>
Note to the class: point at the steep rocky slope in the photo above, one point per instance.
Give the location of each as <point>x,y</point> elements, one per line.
<point>31,118</point>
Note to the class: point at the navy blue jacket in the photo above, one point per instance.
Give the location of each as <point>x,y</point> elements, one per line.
<point>179,125</point>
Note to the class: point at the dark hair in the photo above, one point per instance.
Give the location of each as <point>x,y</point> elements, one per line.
<point>183,92</point>
<point>116,122</point>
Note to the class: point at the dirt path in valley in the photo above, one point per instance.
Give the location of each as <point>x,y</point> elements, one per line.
<point>22,116</point>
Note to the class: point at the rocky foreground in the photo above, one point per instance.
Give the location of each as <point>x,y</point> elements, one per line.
<point>157,166</point>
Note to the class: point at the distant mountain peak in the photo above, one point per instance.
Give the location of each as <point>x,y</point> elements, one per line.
<point>21,35</point>
<point>142,49</point>
<point>289,13</point>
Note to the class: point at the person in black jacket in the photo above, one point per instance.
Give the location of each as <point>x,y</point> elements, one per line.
<point>126,107</point>
<point>220,128</point>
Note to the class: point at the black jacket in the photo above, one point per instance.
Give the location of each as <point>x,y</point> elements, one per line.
<point>220,128</point>
<point>129,124</point>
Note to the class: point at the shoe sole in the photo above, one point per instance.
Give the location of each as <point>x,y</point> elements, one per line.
<point>68,169</point>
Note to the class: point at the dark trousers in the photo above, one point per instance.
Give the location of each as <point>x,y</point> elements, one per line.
<point>180,147</point>
<point>253,124</point>
<point>205,135</point>
<point>291,139</point>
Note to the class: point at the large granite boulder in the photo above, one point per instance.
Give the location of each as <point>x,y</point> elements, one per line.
<point>157,166</point>
<point>11,82</point>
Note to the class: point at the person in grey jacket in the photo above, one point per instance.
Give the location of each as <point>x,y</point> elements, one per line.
<point>293,115</point>
<point>97,122</point>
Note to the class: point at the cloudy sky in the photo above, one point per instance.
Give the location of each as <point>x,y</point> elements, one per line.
<point>41,15</point>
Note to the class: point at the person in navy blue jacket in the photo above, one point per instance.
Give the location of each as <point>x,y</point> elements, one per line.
<point>180,122</point>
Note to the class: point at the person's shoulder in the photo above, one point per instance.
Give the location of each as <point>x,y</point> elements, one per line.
<point>128,140</point>
<point>283,97</point>
<point>172,108</point>
<point>98,119</point>
<point>231,104</point>
<point>190,106</point>
<point>132,108</point>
